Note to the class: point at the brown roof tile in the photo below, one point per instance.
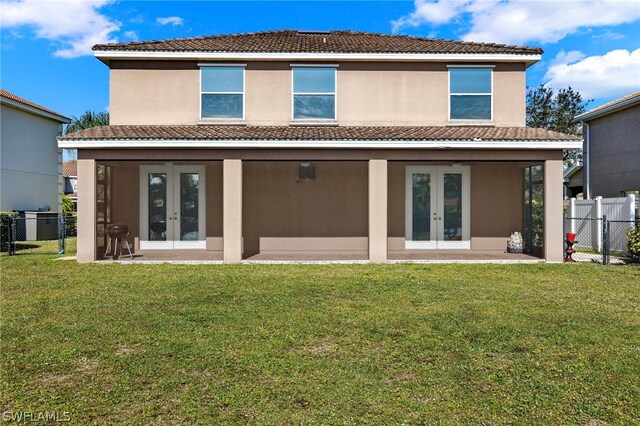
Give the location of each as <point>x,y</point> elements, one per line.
<point>23,101</point>
<point>292,41</point>
<point>70,168</point>
<point>611,106</point>
<point>353,133</point>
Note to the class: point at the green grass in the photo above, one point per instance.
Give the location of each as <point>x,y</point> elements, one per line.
<point>339,344</point>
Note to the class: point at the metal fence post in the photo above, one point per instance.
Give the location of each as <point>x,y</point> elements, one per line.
<point>11,236</point>
<point>605,240</point>
<point>61,233</point>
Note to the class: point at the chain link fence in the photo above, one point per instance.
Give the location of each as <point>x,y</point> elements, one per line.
<point>42,234</point>
<point>620,238</point>
<point>601,241</point>
<point>588,239</point>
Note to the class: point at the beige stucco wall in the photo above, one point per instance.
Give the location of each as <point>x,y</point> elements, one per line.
<point>154,93</point>
<point>29,161</point>
<point>275,204</point>
<point>367,93</point>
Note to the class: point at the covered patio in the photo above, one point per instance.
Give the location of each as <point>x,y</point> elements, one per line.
<point>323,209</point>
<point>410,256</point>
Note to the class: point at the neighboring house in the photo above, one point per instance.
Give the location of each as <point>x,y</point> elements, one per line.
<point>70,175</point>
<point>612,148</point>
<point>574,181</point>
<point>290,145</point>
<point>30,175</point>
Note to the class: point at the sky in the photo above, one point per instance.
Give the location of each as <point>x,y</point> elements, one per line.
<point>45,53</point>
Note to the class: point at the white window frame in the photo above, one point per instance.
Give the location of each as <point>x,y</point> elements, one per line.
<point>244,80</point>
<point>335,93</point>
<point>437,208</point>
<point>173,195</point>
<point>468,120</point>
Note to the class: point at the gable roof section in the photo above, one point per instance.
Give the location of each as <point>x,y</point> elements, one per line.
<point>10,99</point>
<point>70,168</point>
<point>220,136</point>
<point>609,108</point>
<point>291,41</point>
<point>575,168</point>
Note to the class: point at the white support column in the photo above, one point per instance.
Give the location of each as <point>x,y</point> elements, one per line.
<point>596,228</point>
<point>572,215</point>
<point>232,210</point>
<point>553,238</point>
<point>86,211</point>
<point>378,211</point>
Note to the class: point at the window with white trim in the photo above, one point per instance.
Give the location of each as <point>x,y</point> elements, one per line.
<point>470,93</point>
<point>314,93</point>
<point>222,92</point>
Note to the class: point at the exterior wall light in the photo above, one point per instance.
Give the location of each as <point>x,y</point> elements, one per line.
<point>306,172</point>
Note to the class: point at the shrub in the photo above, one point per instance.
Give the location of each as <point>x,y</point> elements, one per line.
<point>70,225</point>
<point>4,229</point>
<point>633,245</point>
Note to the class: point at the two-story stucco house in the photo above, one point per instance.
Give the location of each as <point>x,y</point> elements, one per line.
<point>30,161</point>
<point>612,149</point>
<point>319,145</point>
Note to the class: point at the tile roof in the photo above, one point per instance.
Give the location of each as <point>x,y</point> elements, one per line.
<point>23,101</point>
<point>352,133</point>
<point>70,168</point>
<point>612,106</point>
<point>292,41</point>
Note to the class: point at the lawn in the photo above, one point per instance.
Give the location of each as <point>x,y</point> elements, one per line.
<point>331,344</point>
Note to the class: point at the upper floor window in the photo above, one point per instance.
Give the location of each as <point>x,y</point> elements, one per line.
<point>222,92</point>
<point>470,93</point>
<point>314,93</point>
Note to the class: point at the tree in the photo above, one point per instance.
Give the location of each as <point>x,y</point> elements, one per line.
<point>555,111</point>
<point>85,121</point>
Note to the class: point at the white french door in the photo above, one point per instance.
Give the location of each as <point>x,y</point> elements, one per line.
<point>172,207</point>
<point>437,204</point>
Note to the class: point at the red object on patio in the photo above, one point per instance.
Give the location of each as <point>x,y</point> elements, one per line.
<point>568,252</point>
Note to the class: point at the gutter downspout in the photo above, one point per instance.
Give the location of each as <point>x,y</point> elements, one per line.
<point>586,154</point>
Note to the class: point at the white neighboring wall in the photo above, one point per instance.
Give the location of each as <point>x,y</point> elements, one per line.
<point>29,161</point>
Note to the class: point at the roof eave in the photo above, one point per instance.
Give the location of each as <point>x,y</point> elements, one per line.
<point>548,144</point>
<point>597,113</point>
<point>107,55</point>
<point>33,110</point>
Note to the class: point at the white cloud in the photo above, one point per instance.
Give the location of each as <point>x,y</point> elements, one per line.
<point>568,57</point>
<point>76,25</point>
<point>131,35</point>
<point>614,74</point>
<point>521,21</point>
<point>170,20</point>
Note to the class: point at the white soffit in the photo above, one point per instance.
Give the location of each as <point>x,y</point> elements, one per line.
<point>327,144</point>
<point>310,56</point>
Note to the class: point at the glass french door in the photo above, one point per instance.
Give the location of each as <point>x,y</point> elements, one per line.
<point>437,207</point>
<point>172,203</point>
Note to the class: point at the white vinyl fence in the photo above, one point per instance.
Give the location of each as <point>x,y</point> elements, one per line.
<point>585,219</point>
